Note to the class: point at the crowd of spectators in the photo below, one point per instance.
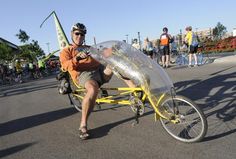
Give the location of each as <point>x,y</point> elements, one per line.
<point>20,71</point>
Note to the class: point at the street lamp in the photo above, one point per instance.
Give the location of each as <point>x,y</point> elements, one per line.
<point>127,38</point>
<point>180,37</point>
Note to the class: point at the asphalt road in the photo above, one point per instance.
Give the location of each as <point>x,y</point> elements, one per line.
<point>37,122</point>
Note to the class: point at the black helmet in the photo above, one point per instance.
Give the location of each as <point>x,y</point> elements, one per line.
<point>165,29</point>
<point>79,26</point>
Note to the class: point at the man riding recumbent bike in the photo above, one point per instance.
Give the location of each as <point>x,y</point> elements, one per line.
<point>179,116</point>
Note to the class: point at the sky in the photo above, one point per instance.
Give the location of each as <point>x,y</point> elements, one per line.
<point>111,19</point>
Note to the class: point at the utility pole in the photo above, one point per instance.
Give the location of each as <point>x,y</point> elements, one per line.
<point>180,37</point>
<point>48,47</point>
<point>139,41</point>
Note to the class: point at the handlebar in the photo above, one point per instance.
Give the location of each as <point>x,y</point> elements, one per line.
<point>84,50</point>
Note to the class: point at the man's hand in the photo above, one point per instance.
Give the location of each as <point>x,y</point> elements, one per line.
<point>81,55</point>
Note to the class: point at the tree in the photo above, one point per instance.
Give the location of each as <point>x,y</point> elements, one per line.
<point>30,51</point>
<point>22,36</point>
<point>219,31</point>
<point>6,52</point>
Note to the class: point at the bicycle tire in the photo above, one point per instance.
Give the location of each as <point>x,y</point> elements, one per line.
<point>76,102</point>
<point>178,60</point>
<point>184,130</point>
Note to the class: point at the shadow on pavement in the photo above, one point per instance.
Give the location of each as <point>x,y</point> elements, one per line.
<point>12,150</point>
<point>217,97</point>
<point>108,107</point>
<point>26,88</point>
<point>32,121</point>
<point>104,130</point>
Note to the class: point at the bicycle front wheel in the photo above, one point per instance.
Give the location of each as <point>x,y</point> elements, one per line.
<point>187,123</point>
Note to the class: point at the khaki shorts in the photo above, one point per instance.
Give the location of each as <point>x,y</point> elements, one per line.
<point>96,75</point>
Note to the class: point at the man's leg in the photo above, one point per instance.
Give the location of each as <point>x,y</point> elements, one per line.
<point>167,60</point>
<point>195,55</point>
<point>195,59</point>
<point>190,59</point>
<point>163,60</point>
<point>88,103</point>
<point>167,53</point>
<point>130,83</point>
<point>108,74</point>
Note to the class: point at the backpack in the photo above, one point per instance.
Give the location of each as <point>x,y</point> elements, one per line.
<point>171,40</point>
<point>194,40</point>
<point>64,83</point>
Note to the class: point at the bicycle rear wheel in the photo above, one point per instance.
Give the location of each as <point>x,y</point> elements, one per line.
<point>75,101</point>
<point>187,122</point>
<point>75,96</point>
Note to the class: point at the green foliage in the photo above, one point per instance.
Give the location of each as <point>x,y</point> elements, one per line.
<point>22,36</point>
<point>6,52</point>
<point>219,31</point>
<point>30,51</point>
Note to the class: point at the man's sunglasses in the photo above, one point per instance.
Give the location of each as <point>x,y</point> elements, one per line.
<point>77,34</point>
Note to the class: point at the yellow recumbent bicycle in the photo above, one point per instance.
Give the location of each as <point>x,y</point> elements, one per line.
<point>179,116</point>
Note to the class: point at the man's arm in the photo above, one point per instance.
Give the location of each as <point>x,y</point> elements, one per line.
<point>68,62</point>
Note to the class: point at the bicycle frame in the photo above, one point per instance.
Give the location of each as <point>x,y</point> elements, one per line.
<point>111,99</point>
<point>122,92</point>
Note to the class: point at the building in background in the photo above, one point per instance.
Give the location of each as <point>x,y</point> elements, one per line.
<point>234,32</point>
<point>204,33</point>
<point>15,49</point>
<point>13,46</point>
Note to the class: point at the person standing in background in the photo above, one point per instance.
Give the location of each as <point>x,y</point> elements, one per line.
<point>192,41</point>
<point>148,48</point>
<point>136,45</point>
<point>165,39</point>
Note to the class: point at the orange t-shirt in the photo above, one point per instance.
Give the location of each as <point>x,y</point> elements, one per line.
<point>164,39</point>
<point>74,67</point>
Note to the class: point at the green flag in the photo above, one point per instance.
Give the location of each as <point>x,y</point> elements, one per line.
<point>61,36</point>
